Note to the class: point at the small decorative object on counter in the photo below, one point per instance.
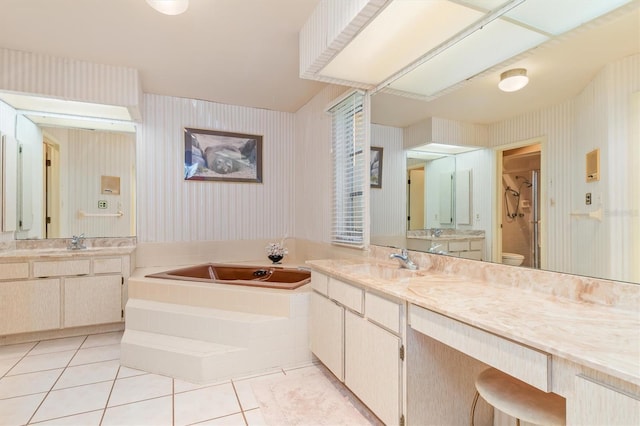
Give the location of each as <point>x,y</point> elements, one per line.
<point>276,252</point>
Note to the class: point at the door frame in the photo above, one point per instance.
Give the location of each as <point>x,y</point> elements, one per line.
<point>496,252</point>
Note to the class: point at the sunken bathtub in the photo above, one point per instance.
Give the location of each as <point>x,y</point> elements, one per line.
<point>215,321</point>
<point>254,276</point>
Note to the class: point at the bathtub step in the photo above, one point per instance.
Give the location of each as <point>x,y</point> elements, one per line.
<point>206,324</point>
<point>195,361</point>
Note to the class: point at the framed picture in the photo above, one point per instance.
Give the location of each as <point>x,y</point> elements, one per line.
<point>376,167</point>
<point>222,156</point>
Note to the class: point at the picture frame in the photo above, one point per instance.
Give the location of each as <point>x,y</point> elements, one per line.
<point>212,155</point>
<point>375,167</point>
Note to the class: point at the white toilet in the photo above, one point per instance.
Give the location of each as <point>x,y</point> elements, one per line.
<point>513,259</point>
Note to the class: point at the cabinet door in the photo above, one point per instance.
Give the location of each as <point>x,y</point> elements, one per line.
<point>596,404</point>
<point>29,306</point>
<point>92,300</point>
<point>327,332</point>
<point>372,367</point>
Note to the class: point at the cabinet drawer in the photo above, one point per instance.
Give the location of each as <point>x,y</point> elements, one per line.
<point>107,266</point>
<point>527,364</point>
<point>61,268</point>
<point>476,244</point>
<point>10,271</point>
<point>383,311</point>
<point>473,255</point>
<point>319,282</point>
<point>458,245</point>
<point>346,294</point>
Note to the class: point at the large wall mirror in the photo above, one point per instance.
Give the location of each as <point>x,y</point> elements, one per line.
<point>529,190</point>
<point>72,180</point>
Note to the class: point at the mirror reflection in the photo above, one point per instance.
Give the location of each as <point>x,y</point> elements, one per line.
<point>533,190</point>
<point>75,181</point>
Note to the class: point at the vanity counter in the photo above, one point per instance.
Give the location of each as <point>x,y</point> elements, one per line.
<point>65,253</point>
<point>604,338</point>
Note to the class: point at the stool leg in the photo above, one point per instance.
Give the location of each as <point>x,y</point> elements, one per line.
<point>473,407</point>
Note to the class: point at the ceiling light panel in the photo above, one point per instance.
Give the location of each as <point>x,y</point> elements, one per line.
<point>400,34</point>
<point>443,148</point>
<point>559,16</point>
<point>60,106</point>
<point>494,43</point>
<point>47,120</point>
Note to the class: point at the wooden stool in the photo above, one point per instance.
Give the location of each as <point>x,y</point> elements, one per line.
<point>518,399</point>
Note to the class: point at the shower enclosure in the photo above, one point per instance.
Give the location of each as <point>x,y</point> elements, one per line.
<point>521,207</point>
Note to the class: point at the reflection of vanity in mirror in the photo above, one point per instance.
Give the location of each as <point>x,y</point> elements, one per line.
<point>570,223</point>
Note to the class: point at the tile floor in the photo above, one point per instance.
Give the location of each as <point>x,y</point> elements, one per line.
<point>79,381</point>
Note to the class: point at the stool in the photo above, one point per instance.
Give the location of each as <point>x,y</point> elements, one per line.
<point>518,399</point>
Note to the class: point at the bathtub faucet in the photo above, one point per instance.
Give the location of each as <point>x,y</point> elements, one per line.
<point>405,262</point>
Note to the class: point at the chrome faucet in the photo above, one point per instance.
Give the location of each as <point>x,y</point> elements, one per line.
<point>77,243</point>
<point>435,232</point>
<point>404,258</point>
<point>434,249</point>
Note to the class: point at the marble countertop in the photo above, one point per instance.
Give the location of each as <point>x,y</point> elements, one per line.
<point>600,337</point>
<point>57,253</point>
<point>444,237</point>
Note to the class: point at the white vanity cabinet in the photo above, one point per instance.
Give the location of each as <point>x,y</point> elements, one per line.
<point>51,293</point>
<point>596,403</point>
<point>358,336</point>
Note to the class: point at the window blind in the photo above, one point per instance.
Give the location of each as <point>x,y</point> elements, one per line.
<point>349,178</point>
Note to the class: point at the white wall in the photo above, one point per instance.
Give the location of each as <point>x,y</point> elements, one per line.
<point>172,209</point>
<point>312,170</point>
<point>389,203</point>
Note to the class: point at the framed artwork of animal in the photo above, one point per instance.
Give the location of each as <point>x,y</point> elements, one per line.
<point>222,156</point>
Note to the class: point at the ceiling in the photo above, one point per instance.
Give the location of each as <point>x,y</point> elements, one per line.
<point>245,52</point>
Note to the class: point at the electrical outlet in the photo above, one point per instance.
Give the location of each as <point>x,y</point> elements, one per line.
<point>102,204</point>
<point>587,199</point>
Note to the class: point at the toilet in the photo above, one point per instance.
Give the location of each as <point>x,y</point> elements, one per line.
<point>513,259</point>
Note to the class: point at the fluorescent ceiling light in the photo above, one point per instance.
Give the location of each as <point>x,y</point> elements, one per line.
<point>60,106</point>
<point>490,45</point>
<point>428,156</point>
<point>77,122</point>
<point>557,17</point>
<point>442,148</point>
<point>400,34</point>
<point>513,80</point>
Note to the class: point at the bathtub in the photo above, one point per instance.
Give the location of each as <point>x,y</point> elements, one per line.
<point>255,276</point>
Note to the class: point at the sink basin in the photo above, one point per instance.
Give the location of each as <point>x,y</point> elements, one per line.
<point>387,272</point>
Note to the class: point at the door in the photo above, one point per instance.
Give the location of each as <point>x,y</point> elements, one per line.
<point>327,333</point>
<point>416,199</point>
<point>52,190</point>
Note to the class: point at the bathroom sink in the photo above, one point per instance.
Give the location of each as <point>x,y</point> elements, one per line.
<point>386,272</point>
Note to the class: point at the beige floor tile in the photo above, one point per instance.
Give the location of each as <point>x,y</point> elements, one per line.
<point>97,354</point>
<point>254,418</point>
<point>205,404</point>
<point>80,399</point>
<point>245,392</point>
<point>156,412</point>
<point>91,418</point>
<point>42,362</point>
<point>103,339</point>
<point>18,411</point>
<point>15,351</point>
<point>57,345</point>
<point>29,383</point>
<point>88,373</point>
<point>183,386</point>
<point>139,388</point>
<point>7,364</point>
<point>232,420</point>
<point>129,372</point>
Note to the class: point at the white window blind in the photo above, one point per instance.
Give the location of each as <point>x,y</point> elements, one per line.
<point>349,177</point>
